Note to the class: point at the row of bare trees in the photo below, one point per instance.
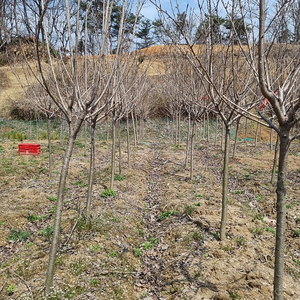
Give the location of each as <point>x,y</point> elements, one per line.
<point>229,80</point>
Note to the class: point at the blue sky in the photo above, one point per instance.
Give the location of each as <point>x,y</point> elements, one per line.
<point>149,10</point>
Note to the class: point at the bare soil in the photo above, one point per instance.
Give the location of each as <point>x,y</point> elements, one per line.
<point>158,238</point>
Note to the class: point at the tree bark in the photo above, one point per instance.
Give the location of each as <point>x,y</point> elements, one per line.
<point>49,146</point>
<point>91,173</point>
<point>187,140</point>
<point>113,154</point>
<point>281,213</point>
<point>225,184</point>
<point>128,142</point>
<point>59,204</point>
<point>192,150</point>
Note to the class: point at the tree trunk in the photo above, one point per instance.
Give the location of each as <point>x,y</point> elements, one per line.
<point>246,131</point>
<point>275,161</point>
<point>225,185</point>
<point>128,142</point>
<point>256,135</point>
<point>133,127</point>
<point>236,135</point>
<point>187,140</point>
<point>91,173</point>
<point>59,204</point>
<point>207,124</point>
<point>281,213</point>
<point>113,154</point>
<point>49,146</point>
<point>192,150</point>
<point>120,150</point>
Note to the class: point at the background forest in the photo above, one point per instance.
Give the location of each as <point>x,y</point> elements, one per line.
<point>170,157</point>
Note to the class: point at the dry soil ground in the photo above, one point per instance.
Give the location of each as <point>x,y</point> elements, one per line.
<point>157,238</point>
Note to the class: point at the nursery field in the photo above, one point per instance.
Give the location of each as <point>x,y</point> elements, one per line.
<point>157,236</point>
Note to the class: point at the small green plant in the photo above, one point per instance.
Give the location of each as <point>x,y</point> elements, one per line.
<point>257,231</point>
<point>93,282</point>
<point>28,245</point>
<point>137,252</point>
<point>141,232</point>
<point>51,198</point>
<point>10,290</point>
<point>188,210</point>
<point>270,229</point>
<point>80,183</point>
<point>247,176</point>
<point>233,295</point>
<point>199,195</point>
<point>18,235</point>
<point>259,217</point>
<point>196,236</point>
<point>150,244</point>
<point>119,177</point>
<point>288,206</point>
<point>297,233</point>
<point>143,295</point>
<point>197,204</point>
<point>258,197</point>
<point>33,218</point>
<point>297,262</point>
<point>108,193</point>
<point>52,210</point>
<point>47,231</point>
<point>238,192</point>
<point>240,240</point>
<point>298,220</point>
<point>166,214</point>
<point>96,248</point>
<point>113,254</point>
<point>1,223</point>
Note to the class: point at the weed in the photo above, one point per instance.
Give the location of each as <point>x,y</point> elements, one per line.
<point>4,181</point>
<point>227,248</point>
<point>51,198</point>
<point>247,176</point>
<point>143,295</point>
<point>80,183</point>
<point>199,195</point>
<point>108,193</point>
<point>119,177</point>
<point>166,214</point>
<point>258,197</point>
<point>259,217</point>
<point>10,290</point>
<point>270,229</point>
<point>18,235</point>
<point>297,262</point>
<point>238,192</point>
<point>233,295</point>
<point>52,210</point>
<point>78,267</point>
<point>113,254</point>
<point>141,232</point>
<point>47,231</point>
<point>257,231</point>
<point>137,252</point>
<point>93,282</point>
<point>298,220</point>
<point>96,248</point>
<point>150,244</point>
<point>196,235</point>
<point>28,245</point>
<point>33,218</point>
<point>197,204</point>
<point>297,233</point>
<point>188,210</point>
<point>288,206</point>
<point>1,223</point>
<point>240,240</point>
<point>115,219</point>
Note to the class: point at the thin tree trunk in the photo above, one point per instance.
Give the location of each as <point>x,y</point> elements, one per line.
<point>49,146</point>
<point>275,161</point>
<point>207,124</point>
<point>120,150</point>
<point>281,214</point>
<point>178,124</point>
<point>216,130</point>
<point>192,150</point>
<point>225,185</point>
<point>91,173</point>
<point>246,132</point>
<point>128,142</point>
<point>113,154</point>
<point>236,135</point>
<point>271,139</point>
<point>107,130</point>
<point>222,136</point>
<point>134,131</point>
<point>59,205</point>
<point>187,140</point>
<point>256,135</point>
